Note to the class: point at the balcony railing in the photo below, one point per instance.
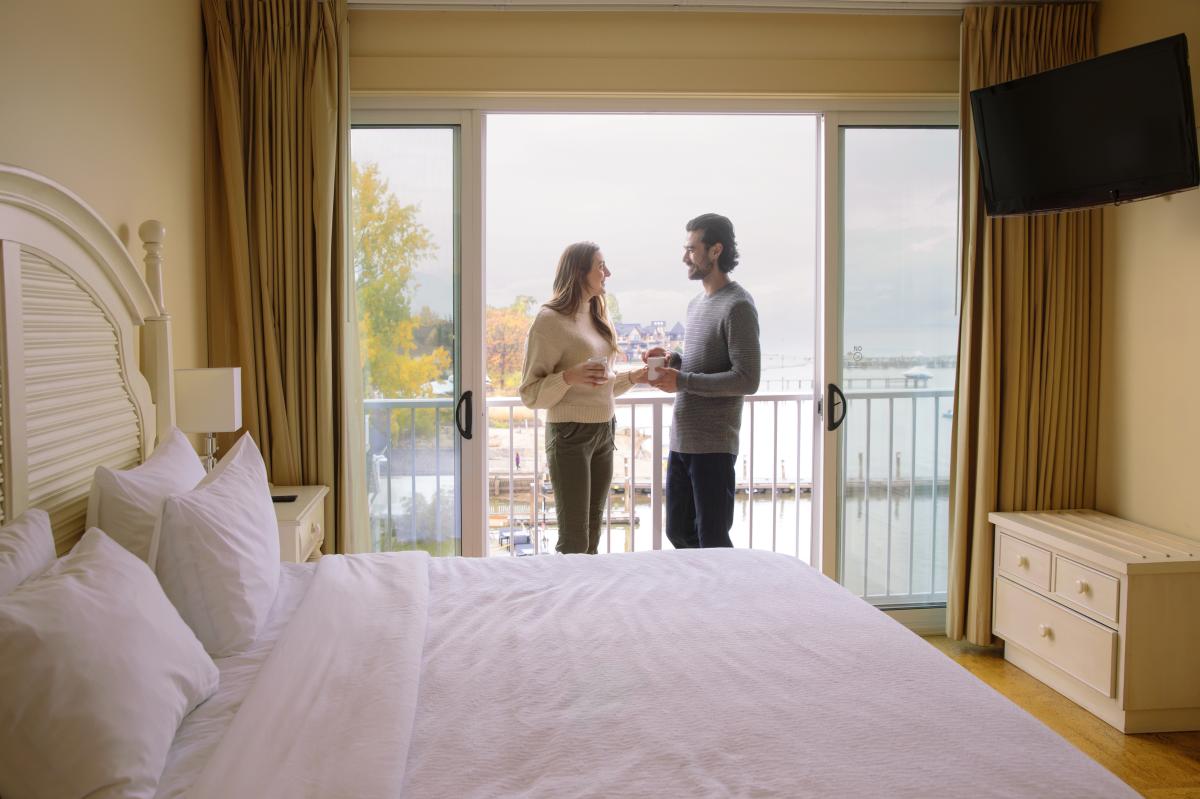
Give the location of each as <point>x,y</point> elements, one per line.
<point>893,507</point>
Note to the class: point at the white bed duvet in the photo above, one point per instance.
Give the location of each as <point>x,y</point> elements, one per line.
<point>662,674</point>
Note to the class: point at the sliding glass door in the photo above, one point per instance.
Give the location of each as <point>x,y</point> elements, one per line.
<point>419,408</point>
<point>890,396</point>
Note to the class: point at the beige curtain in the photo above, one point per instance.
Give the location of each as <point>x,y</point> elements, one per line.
<point>1026,404</point>
<point>280,295</point>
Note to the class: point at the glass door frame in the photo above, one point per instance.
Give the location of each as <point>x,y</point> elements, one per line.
<point>468,306</point>
<point>830,346</point>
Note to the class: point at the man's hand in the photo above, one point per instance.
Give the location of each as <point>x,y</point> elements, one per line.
<point>668,380</point>
<point>653,351</point>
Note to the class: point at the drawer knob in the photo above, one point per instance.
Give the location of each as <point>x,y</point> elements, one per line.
<point>1022,562</point>
<point>1044,631</point>
<point>1082,587</point>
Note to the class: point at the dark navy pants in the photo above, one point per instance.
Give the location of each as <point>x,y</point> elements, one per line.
<point>700,499</point>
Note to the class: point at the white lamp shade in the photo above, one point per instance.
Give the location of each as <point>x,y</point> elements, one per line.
<point>208,400</point>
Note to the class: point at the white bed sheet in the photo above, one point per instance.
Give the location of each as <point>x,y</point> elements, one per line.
<point>703,673</point>
<point>204,727</point>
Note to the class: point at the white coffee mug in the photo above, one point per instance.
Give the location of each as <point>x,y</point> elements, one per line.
<point>600,359</point>
<point>655,362</point>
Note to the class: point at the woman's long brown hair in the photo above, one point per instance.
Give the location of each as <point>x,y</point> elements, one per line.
<point>573,267</point>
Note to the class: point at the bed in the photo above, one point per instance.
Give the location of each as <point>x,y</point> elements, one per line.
<point>691,673</point>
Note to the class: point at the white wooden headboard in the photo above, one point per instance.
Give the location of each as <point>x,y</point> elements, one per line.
<point>72,395</point>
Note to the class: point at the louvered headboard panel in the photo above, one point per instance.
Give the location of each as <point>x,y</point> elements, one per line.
<point>72,305</point>
<point>80,411</point>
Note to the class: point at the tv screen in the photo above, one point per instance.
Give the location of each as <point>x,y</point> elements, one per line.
<point>1109,129</point>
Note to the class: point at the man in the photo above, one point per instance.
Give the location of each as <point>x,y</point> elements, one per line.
<point>719,366</point>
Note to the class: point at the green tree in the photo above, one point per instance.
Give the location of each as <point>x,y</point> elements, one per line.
<point>389,242</point>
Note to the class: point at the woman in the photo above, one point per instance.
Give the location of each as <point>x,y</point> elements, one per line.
<point>568,359</point>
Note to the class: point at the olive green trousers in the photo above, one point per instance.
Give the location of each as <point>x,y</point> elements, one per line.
<point>580,458</point>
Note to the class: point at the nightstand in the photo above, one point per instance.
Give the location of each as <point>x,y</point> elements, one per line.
<point>301,522</point>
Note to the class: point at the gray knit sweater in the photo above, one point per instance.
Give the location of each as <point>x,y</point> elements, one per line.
<point>720,365</point>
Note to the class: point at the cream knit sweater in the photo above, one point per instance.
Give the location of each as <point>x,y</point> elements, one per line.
<point>556,343</point>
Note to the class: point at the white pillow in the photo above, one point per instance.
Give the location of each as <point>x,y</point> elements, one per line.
<point>219,552</point>
<point>97,671</point>
<point>26,548</point>
<point>126,504</point>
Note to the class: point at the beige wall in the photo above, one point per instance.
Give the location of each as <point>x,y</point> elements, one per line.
<point>630,52</point>
<point>106,99</point>
<point>1150,384</point>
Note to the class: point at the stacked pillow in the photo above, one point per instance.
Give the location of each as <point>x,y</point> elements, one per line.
<point>100,658</point>
<point>127,504</point>
<point>219,551</point>
<point>26,549</point>
<point>98,671</point>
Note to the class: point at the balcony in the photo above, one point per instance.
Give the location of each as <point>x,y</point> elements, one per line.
<point>893,498</point>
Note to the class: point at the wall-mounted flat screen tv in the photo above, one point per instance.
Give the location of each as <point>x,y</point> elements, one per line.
<point>1114,128</point>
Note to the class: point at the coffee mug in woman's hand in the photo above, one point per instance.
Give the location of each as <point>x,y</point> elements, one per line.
<point>602,362</point>
<point>587,373</point>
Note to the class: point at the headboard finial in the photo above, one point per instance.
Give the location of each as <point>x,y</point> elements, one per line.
<point>152,233</point>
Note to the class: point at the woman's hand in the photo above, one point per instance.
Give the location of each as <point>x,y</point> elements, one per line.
<point>585,374</point>
<point>640,375</point>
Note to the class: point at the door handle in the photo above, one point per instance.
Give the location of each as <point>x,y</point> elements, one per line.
<point>465,432</point>
<point>836,401</point>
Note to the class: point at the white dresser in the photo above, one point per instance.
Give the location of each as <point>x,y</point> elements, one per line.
<point>1104,611</point>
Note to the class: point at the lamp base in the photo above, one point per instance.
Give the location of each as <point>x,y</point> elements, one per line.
<point>209,458</point>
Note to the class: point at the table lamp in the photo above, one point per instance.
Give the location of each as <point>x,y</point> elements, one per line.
<point>208,401</point>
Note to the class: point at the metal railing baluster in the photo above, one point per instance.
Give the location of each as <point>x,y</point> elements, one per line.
<point>750,486</point>
<point>512,478</point>
<point>535,489</point>
<point>412,460</point>
<point>867,505</point>
<point>887,566</point>
<point>912,499</point>
<point>774,469</point>
<point>796,477</point>
<point>937,407</point>
<point>391,522</point>
<point>437,476</point>
<point>656,475</point>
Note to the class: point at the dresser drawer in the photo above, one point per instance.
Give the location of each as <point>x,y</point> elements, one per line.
<point>1078,646</point>
<point>1023,560</point>
<point>312,532</point>
<point>1092,591</point>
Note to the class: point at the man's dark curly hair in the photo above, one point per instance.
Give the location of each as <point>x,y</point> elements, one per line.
<point>717,229</point>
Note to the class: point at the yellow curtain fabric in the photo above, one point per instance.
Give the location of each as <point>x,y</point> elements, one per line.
<point>280,293</point>
<point>1026,405</point>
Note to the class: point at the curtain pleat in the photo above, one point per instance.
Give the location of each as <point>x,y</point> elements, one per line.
<point>276,226</point>
<point>1027,388</point>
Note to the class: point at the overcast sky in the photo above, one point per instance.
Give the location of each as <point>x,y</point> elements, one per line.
<point>630,183</point>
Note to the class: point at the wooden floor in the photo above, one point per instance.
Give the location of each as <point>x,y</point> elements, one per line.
<point>1158,765</point>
